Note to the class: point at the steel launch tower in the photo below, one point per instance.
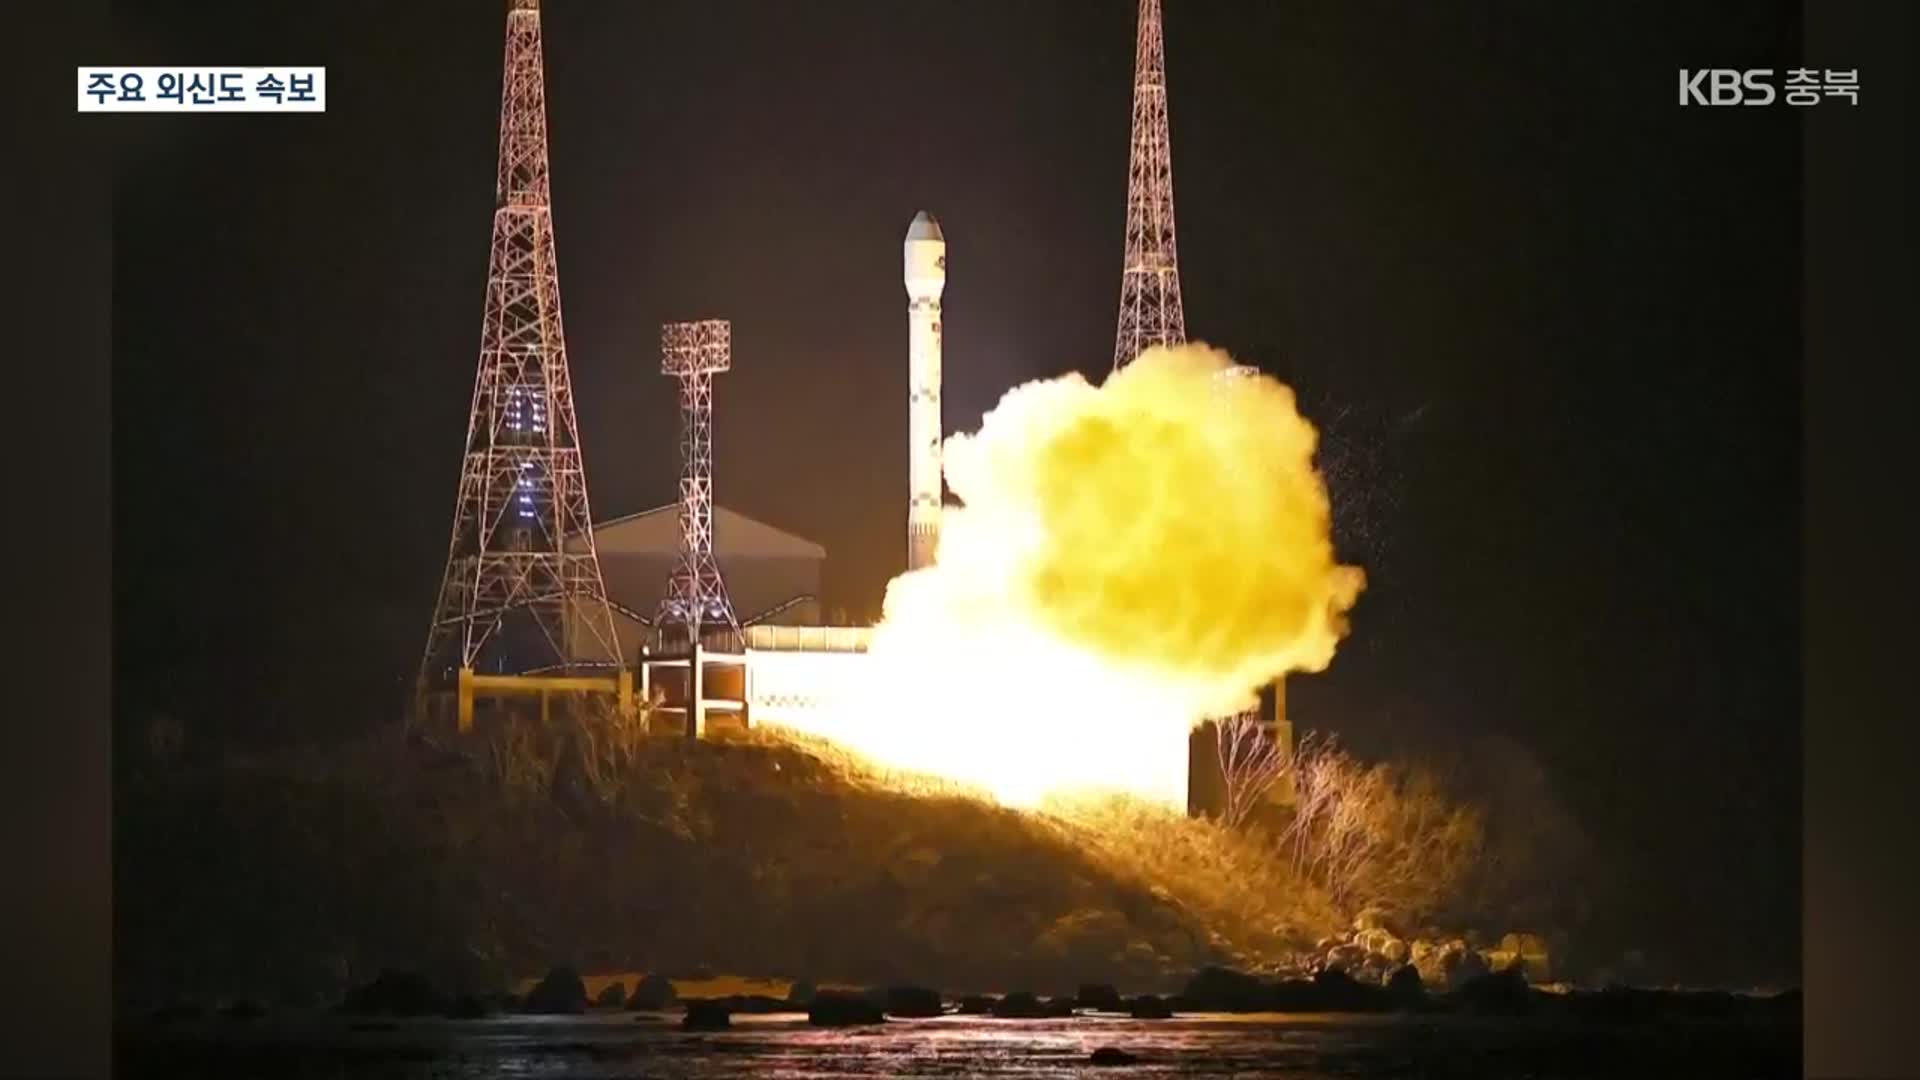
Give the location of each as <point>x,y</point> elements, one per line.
<point>925,275</point>
<point>1150,311</point>
<point>514,600</point>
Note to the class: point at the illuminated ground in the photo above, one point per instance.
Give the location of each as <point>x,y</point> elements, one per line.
<point>288,878</point>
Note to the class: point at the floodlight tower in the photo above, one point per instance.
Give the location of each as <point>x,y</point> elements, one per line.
<point>925,274</point>
<point>522,591</point>
<point>1150,311</point>
<point>696,595</point>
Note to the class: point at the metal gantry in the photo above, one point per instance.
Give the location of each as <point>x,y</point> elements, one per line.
<point>517,597</point>
<point>696,595</point>
<point>1150,311</point>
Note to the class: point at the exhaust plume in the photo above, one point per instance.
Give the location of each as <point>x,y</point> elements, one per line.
<point>1129,560</point>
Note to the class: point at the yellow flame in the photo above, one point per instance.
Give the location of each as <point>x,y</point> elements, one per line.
<point>1130,559</point>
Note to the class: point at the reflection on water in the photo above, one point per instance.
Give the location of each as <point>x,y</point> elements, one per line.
<point>622,1045</point>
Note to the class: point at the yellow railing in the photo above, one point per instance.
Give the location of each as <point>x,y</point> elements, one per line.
<point>474,685</point>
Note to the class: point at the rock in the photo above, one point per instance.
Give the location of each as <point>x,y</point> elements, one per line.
<point>1372,918</point>
<point>800,993</point>
<point>1218,989</point>
<point>1058,1008</point>
<point>1450,965</point>
<point>1112,1055</point>
<point>1099,997</point>
<point>613,996</point>
<point>1433,968</point>
<point>1405,988</point>
<point>1019,1005</point>
<point>1423,955</point>
<point>560,993</point>
<point>1436,964</point>
<point>1346,958</point>
<point>395,993</point>
<point>467,1007</point>
<point>1150,1007</point>
<point>1501,993</point>
<point>1396,951</point>
<point>1326,945</point>
<point>1336,991</point>
<point>1533,954</point>
<point>913,1001</point>
<point>1373,970</point>
<point>1470,966</point>
<point>706,1016</point>
<point>653,993</point>
<point>1523,943</point>
<point>833,1008</point>
<point>976,1005</point>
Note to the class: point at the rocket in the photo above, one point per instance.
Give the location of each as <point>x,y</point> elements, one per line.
<point>926,277</point>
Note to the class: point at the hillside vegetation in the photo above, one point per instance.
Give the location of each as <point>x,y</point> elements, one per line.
<point>484,859</point>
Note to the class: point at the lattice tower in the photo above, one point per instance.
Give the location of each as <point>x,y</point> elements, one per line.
<point>1150,311</point>
<point>696,595</point>
<point>522,591</point>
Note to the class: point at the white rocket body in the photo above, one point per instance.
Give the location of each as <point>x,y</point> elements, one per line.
<point>926,279</point>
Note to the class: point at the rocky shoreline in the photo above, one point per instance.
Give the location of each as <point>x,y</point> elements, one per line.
<point>1331,989</point>
<point>1373,952</point>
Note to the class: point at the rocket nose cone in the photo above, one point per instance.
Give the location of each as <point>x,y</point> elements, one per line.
<point>924,228</point>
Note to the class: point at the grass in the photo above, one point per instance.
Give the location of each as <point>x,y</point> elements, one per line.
<point>287,877</point>
<point>1231,881</point>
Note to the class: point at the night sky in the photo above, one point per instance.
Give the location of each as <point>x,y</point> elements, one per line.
<point>1550,318</point>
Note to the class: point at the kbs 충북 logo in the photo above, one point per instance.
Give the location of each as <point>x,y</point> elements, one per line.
<point>1755,86</point>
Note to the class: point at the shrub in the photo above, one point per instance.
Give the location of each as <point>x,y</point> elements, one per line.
<point>1379,834</point>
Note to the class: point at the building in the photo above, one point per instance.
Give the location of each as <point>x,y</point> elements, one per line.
<point>765,568</point>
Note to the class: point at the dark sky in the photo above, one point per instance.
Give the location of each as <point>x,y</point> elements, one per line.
<point>1558,313</point>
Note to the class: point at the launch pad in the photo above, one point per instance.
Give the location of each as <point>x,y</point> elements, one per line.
<point>703,668</point>
<point>785,675</point>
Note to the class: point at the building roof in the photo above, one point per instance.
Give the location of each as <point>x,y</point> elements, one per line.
<point>735,535</point>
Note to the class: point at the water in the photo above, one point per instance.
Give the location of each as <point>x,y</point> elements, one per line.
<point>1288,1047</point>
